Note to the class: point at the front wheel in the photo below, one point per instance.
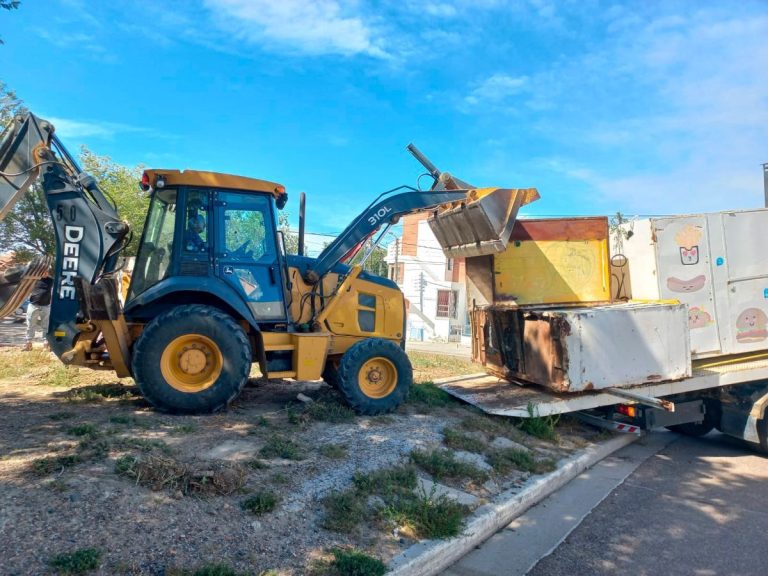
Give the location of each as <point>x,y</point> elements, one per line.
<point>191,359</point>
<point>374,376</point>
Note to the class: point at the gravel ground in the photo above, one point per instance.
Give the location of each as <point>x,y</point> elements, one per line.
<point>51,505</point>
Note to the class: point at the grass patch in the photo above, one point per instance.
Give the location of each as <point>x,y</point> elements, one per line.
<point>280,478</point>
<point>184,429</point>
<point>78,562</point>
<point>333,451</point>
<point>428,396</point>
<point>46,466</point>
<point>428,516</point>
<point>163,473</point>
<point>329,411</point>
<point>343,510</point>
<point>99,392</point>
<point>441,464</point>
<point>353,563</point>
<point>427,367</point>
<point>143,444</point>
<point>260,503</point>
<point>83,430</point>
<point>58,416</point>
<point>257,464</point>
<point>281,447</point>
<point>386,481</point>
<point>490,425</point>
<point>461,441</point>
<point>206,570</point>
<point>60,376</point>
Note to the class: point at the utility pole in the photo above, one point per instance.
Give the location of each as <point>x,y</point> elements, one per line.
<point>765,182</point>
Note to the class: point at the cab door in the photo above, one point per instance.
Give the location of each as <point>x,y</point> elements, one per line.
<point>246,254</point>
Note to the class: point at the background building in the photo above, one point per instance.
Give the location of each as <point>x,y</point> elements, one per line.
<point>433,285</point>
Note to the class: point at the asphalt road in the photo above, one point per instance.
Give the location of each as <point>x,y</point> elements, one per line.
<point>668,506</point>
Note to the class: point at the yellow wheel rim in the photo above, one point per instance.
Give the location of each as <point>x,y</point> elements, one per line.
<point>377,377</point>
<point>191,363</point>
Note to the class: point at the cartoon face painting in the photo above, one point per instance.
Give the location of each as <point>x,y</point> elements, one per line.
<point>689,256</point>
<point>751,326</point>
<point>688,239</point>
<point>692,285</point>
<point>698,318</point>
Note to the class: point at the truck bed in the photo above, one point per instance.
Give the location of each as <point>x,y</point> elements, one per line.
<point>500,397</point>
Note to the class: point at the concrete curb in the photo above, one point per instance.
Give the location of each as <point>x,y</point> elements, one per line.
<point>433,556</point>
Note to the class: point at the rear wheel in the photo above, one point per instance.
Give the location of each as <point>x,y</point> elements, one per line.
<point>374,376</point>
<point>191,359</point>
<point>697,429</point>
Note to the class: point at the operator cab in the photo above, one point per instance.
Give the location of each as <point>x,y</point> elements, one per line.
<point>212,232</point>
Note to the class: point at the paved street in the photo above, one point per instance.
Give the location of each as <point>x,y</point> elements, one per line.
<point>667,505</point>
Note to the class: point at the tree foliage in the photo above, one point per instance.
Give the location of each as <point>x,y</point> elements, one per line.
<point>27,229</point>
<point>121,183</point>
<point>9,5</point>
<point>291,239</point>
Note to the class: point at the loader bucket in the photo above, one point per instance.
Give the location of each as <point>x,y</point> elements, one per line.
<point>16,283</point>
<point>482,224</point>
<point>20,145</point>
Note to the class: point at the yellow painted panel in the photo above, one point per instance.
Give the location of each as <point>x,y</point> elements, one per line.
<point>553,272</point>
<point>309,354</point>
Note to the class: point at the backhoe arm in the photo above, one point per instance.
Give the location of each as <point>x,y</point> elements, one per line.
<point>88,231</point>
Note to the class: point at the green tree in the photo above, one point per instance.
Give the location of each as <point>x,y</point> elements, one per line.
<point>121,183</point>
<point>291,239</point>
<point>9,5</point>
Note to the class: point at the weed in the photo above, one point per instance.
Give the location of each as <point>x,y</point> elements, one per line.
<point>281,447</point>
<point>428,396</point>
<point>162,473</point>
<point>260,503</point>
<point>330,411</point>
<point>62,416</point>
<point>540,426</point>
<point>83,430</point>
<point>77,562</point>
<point>491,425</point>
<point>507,459</point>
<point>184,429</point>
<point>45,466</point>
<point>126,465</point>
<point>460,441</point>
<point>60,376</point>
<point>94,447</point>
<point>99,392</point>
<point>206,570</point>
<point>355,563</point>
<point>428,516</point>
<point>262,421</point>
<point>121,419</point>
<point>388,481</point>
<point>333,451</point>
<point>280,478</point>
<point>343,511</point>
<point>144,444</point>
<point>256,464</point>
<point>443,464</point>
<point>294,417</point>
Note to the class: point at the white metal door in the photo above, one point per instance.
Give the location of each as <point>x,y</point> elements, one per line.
<point>685,274</point>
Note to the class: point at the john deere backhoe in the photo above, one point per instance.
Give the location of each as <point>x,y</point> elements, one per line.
<point>213,290</point>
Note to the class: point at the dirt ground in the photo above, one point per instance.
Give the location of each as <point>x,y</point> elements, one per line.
<point>85,463</point>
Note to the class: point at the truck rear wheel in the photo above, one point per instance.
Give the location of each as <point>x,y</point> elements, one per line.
<point>374,376</point>
<point>191,359</point>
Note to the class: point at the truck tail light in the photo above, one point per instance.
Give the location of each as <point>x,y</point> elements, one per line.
<point>627,410</point>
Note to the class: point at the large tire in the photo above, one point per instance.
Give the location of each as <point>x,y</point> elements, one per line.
<point>191,359</point>
<point>374,376</point>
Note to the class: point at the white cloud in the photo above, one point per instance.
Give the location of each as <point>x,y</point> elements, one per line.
<point>71,129</point>
<point>497,88</point>
<point>316,27</point>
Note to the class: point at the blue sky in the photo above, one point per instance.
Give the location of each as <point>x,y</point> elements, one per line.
<point>641,107</point>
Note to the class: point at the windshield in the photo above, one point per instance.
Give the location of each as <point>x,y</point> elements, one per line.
<point>156,248</point>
